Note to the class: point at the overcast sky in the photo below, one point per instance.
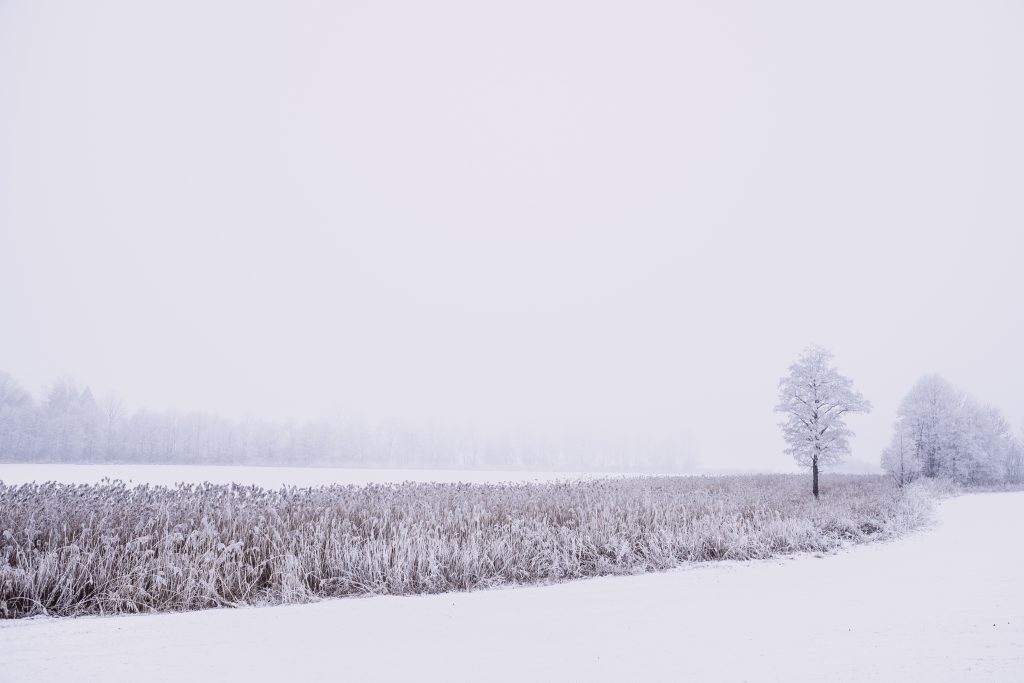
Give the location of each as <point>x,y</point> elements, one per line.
<point>568,217</point>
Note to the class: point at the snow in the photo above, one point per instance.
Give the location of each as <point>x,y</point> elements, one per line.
<point>945,604</point>
<point>267,477</point>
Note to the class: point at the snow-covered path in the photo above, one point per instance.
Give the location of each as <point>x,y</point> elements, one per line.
<point>946,604</point>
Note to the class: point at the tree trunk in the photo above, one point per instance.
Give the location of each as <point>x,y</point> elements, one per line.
<point>814,474</point>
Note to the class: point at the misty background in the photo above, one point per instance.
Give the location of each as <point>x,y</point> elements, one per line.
<point>597,223</point>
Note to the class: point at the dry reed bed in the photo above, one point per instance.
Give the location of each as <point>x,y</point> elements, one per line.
<point>111,548</point>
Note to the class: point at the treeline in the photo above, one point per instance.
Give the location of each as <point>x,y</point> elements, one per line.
<point>71,425</point>
<point>943,433</point>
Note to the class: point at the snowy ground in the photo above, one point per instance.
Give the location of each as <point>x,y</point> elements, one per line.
<point>946,604</point>
<point>267,477</point>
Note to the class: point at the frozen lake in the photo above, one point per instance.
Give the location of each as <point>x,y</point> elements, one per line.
<point>267,477</point>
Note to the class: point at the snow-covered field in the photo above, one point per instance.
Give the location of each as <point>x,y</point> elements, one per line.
<point>946,604</point>
<point>267,477</point>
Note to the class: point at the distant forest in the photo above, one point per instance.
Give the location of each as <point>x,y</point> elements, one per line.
<point>70,425</point>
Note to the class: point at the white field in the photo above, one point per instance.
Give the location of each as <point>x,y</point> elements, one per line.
<point>267,477</point>
<point>945,604</point>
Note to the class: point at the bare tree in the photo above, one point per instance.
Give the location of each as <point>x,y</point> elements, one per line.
<point>815,399</point>
<point>900,458</point>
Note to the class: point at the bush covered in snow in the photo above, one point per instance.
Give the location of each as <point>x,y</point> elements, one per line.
<point>111,548</point>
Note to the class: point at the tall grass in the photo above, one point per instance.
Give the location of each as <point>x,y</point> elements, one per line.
<point>110,548</point>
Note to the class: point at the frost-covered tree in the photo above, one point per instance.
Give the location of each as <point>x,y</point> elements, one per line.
<point>16,418</point>
<point>930,416</point>
<point>944,433</point>
<point>900,458</point>
<point>815,399</point>
<point>1015,460</point>
<point>988,444</point>
<point>70,423</point>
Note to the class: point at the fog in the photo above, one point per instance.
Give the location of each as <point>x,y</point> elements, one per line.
<point>585,219</point>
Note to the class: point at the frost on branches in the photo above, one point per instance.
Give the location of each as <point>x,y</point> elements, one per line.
<point>943,433</point>
<point>815,399</point>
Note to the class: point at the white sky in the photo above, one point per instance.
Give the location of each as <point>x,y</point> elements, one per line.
<point>572,217</point>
